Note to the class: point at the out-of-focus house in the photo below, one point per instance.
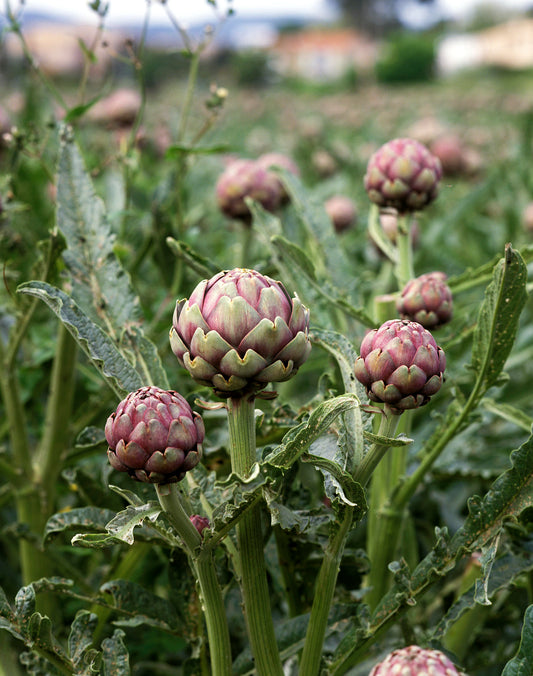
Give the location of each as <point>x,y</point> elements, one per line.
<point>508,45</point>
<point>58,49</point>
<point>322,54</point>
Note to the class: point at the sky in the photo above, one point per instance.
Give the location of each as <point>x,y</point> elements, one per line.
<point>187,11</point>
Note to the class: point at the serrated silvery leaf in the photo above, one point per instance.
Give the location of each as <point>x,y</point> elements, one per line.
<point>100,285</point>
<point>115,657</point>
<point>298,439</point>
<point>123,523</point>
<point>91,518</point>
<point>498,318</point>
<point>343,352</point>
<point>505,570</point>
<point>81,635</point>
<point>25,603</point>
<point>488,554</point>
<point>99,348</point>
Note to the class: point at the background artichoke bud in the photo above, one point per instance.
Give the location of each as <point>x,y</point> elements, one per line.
<point>154,436</point>
<point>247,178</point>
<point>426,300</point>
<point>414,661</point>
<point>239,331</point>
<point>404,175</point>
<point>272,160</point>
<point>400,364</point>
<point>341,211</point>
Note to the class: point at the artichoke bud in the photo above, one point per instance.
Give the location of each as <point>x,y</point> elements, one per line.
<point>403,175</point>
<point>400,364</point>
<point>239,331</point>
<point>414,661</point>
<point>154,436</point>
<point>342,212</point>
<point>247,178</point>
<point>426,300</point>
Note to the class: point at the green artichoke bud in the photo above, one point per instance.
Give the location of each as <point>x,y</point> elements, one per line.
<point>400,364</point>
<point>239,331</point>
<point>341,211</point>
<point>247,178</point>
<point>154,436</point>
<point>404,175</point>
<point>426,300</point>
<point>415,661</point>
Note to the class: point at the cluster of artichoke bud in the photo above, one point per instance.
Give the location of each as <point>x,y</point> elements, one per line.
<point>427,300</point>
<point>403,175</point>
<point>244,178</point>
<point>415,661</point>
<point>154,436</point>
<point>400,364</point>
<point>239,331</point>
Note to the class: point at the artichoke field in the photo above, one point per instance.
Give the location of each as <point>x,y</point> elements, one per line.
<point>265,375</point>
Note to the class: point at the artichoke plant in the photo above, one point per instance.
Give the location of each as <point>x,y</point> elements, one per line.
<point>247,178</point>
<point>415,661</point>
<point>239,331</point>
<point>154,436</point>
<point>404,175</point>
<point>400,364</point>
<point>426,300</point>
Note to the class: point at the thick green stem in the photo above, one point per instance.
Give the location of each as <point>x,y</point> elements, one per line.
<point>254,584</point>
<point>58,414</point>
<point>324,591</point>
<point>384,469</point>
<point>387,428</point>
<point>34,563</point>
<point>203,565</point>
<point>404,269</point>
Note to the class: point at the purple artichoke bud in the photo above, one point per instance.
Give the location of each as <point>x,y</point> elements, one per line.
<point>400,364</point>
<point>403,174</point>
<point>239,331</point>
<point>426,300</point>
<point>270,160</point>
<point>341,211</point>
<point>200,522</point>
<point>415,661</point>
<point>527,217</point>
<point>154,436</point>
<point>247,178</point>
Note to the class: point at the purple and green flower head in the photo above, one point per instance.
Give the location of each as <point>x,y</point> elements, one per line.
<point>239,331</point>
<point>154,436</point>
<point>403,175</point>
<point>400,364</point>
